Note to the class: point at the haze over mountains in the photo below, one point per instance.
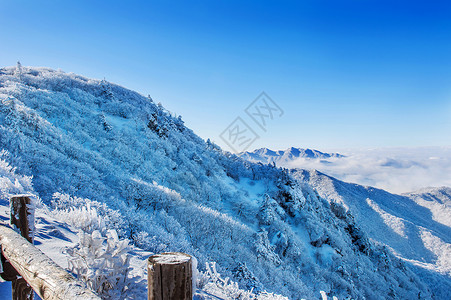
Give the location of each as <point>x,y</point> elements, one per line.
<point>95,153</point>
<point>398,170</point>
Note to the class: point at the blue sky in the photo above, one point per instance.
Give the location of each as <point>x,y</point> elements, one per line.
<point>348,74</point>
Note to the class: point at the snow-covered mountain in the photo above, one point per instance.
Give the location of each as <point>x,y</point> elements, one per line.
<point>415,226</point>
<point>282,157</point>
<point>104,159</point>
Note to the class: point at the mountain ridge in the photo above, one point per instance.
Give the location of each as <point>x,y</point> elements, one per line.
<point>266,156</point>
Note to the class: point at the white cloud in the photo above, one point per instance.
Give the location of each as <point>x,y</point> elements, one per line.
<point>397,170</point>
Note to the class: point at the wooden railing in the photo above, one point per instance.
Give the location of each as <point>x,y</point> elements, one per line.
<point>28,269</point>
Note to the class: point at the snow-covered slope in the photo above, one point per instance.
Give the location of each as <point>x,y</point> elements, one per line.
<point>283,157</point>
<point>89,143</point>
<point>415,226</point>
<point>66,234</point>
<point>437,200</point>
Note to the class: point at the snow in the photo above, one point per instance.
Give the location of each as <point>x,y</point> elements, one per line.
<point>441,250</point>
<point>119,123</point>
<point>170,258</point>
<point>255,188</point>
<point>395,223</point>
<point>437,201</point>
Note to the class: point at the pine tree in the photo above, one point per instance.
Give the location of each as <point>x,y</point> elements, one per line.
<point>106,91</point>
<point>267,213</point>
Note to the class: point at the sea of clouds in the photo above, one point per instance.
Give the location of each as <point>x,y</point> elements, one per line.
<point>397,170</point>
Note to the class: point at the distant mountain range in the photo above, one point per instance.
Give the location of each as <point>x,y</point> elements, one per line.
<point>266,156</point>
<point>395,169</point>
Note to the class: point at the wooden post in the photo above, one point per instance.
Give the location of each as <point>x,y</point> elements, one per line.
<point>22,219</point>
<point>22,216</point>
<point>170,276</point>
<point>21,290</point>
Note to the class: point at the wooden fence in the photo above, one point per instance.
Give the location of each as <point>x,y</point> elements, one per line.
<point>28,269</point>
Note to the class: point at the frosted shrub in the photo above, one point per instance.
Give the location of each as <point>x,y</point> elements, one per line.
<point>100,258</point>
<point>84,218</point>
<point>12,183</point>
<point>103,263</point>
<point>87,215</point>
<point>213,284</point>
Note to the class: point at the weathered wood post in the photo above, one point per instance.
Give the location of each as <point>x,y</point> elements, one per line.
<point>170,276</point>
<point>22,219</point>
<point>22,216</point>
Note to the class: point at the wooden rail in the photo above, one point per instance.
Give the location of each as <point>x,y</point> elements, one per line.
<point>169,274</point>
<point>28,268</point>
<point>47,279</point>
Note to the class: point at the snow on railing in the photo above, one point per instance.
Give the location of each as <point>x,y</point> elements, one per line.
<point>27,267</point>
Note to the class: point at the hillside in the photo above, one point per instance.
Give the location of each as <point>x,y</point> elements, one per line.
<point>415,226</point>
<point>93,143</point>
